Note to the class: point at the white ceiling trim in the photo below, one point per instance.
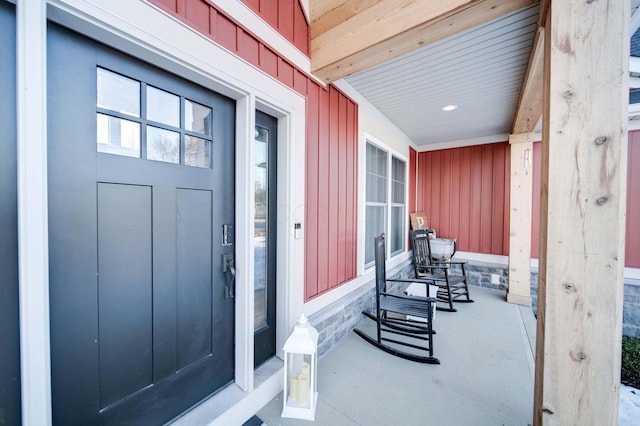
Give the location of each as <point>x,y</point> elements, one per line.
<point>634,109</point>
<point>633,125</point>
<point>501,137</point>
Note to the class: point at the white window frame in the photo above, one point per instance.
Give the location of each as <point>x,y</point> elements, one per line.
<point>391,153</point>
<point>403,243</point>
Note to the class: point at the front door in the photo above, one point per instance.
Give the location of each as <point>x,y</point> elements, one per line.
<point>9,317</point>
<point>265,173</point>
<point>141,211</point>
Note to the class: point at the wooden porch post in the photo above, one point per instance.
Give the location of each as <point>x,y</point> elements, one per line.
<point>520,220</point>
<point>584,157</point>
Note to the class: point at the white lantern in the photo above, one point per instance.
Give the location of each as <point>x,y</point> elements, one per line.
<point>300,394</point>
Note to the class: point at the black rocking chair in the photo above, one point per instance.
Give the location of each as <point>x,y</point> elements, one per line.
<point>418,333</point>
<point>449,275</point>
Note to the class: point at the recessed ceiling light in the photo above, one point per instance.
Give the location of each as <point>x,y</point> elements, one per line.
<point>449,107</point>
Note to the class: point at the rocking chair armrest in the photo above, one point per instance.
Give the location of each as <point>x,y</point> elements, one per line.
<point>450,262</point>
<point>434,268</point>
<point>422,280</point>
<point>407,297</point>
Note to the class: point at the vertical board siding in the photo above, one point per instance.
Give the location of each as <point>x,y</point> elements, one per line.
<point>332,178</point>
<point>632,244</point>
<point>312,191</point>
<point>334,169</point>
<point>285,16</point>
<point>285,72</point>
<point>331,134</point>
<point>323,198</point>
<point>226,34</point>
<point>486,212</point>
<point>352,187</point>
<point>464,197</point>
<point>499,189</point>
<point>342,189</point>
<point>248,47</point>
<point>462,191</point>
<point>301,31</point>
<point>197,14</point>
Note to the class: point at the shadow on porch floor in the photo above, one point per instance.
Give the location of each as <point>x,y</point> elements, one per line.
<point>486,375</point>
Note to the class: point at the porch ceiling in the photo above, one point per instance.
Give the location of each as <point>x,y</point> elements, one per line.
<point>480,70</point>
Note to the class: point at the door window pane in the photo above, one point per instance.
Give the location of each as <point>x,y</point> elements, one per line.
<point>163,145</point>
<point>260,232</point>
<point>197,152</point>
<point>118,93</point>
<point>118,136</point>
<point>178,130</point>
<point>163,107</point>
<point>197,118</point>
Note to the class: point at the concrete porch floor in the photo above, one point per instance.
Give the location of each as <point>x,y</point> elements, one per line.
<point>485,376</point>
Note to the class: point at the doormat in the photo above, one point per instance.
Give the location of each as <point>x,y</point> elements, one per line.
<point>254,421</point>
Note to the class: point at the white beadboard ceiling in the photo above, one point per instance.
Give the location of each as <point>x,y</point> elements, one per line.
<point>480,70</point>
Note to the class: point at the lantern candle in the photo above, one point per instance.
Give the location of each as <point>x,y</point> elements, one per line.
<point>303,390</point>
<point>293,388</point>
<point>304,369</point>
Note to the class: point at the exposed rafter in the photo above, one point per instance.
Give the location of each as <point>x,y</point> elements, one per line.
<point>529,109</point>
<point>352,35</point>
<point>543,9</point>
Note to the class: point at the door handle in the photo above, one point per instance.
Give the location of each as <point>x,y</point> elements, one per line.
<point>229,269</point>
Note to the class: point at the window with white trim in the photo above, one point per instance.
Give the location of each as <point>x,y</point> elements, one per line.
<point>385,200</point>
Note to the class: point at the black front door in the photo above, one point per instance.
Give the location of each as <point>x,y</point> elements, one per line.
<point>265,173</point>
<point>140,189</point>
<point>9,328</point>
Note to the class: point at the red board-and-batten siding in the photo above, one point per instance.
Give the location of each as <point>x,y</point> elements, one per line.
<point>332,125</point>
<point>632,246</point>
<point>287,17</point>
<point>464,192</point>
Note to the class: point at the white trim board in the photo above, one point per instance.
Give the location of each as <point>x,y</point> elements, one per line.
<point>33,246</point>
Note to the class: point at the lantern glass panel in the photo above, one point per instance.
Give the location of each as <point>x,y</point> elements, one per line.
<point>299,377</point>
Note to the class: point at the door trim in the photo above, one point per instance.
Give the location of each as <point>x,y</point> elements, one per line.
<point>33,255</point>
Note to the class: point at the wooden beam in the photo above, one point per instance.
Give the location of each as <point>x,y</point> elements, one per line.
<point>582,221</point>
<point>529,109</point>
<point>520,202</point>
<point>543,10</point>
<point>390,28</point>
<point>328,14</point>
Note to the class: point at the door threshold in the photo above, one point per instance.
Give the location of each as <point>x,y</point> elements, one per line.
<point>232,405</point>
